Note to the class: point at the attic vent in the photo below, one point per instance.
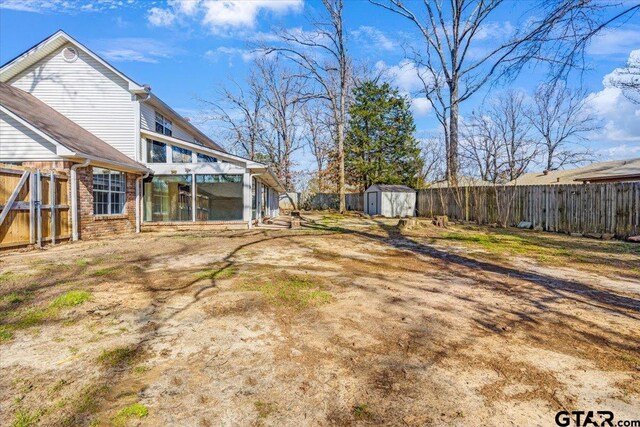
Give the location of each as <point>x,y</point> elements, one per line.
<point>69,54</point>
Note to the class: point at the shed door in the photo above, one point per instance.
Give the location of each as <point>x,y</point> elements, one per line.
<point>372,203</point>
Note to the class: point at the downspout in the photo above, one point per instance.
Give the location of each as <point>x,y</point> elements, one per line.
<point>74,198</point>
<point>138,201</point>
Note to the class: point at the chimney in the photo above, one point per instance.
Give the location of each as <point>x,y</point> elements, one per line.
<point>545,172</point>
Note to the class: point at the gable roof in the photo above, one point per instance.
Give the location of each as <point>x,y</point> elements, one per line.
<point>570,176</point>
<point>57,40</point>
<point>386,188</point>
<point>62,131</point>
<point>49,45</point>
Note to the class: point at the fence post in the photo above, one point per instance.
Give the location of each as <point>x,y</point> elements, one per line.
<point>38,207</point>
<point>32,208</point>
<point>52,205</point>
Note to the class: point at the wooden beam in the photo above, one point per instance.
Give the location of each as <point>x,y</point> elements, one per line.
<point>12,198</point>
<point>52,204</point>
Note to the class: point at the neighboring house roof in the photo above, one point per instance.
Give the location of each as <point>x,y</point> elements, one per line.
<point>628,171</point>
<point>463,181</point>
<point>62,131</point>
<point>385,188</point>
<point>57,40</point>
<point>601,170</point>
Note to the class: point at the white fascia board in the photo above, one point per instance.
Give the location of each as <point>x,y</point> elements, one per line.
<point>195,147</point>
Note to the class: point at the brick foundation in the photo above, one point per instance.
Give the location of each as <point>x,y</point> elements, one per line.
<point>90,226</point>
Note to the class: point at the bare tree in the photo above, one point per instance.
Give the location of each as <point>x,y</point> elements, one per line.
<point>562,122</point>
<point>498,143</point>
<point>317,133</point>
<point>481,148</point>
<point>241,112</point>
<point>322,54</point>
<point>628,79</point>
<point>433,160</point>
<point>555,31</point>
<point>283,97</point>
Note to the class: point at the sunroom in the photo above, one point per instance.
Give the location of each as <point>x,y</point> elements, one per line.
<point>196,184</point>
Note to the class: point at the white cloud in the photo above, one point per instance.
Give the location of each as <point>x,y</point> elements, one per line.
<point>219,15</point>
<point>161,17</point>
<point>230,53</point>
<point>404,75</point>
<point>615,41</point>
<point>420,106</point>
<point>373,38</point>
<point>62,6</point>
<point>134,49</point>
<point>621,128</point>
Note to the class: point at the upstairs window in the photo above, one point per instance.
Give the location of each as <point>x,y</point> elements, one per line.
<point>163,125</point>
<point>156,152</point>
<point>203,158</point>
<point>109,192</point>
<point>180,155</point>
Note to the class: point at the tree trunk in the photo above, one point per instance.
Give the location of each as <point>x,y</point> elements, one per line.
<point>341,160</point>
<point>452,152</point>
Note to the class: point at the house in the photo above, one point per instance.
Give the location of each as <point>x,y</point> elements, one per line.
<point>390,200</point>
<point>610,171</point>
<point>132,160</point>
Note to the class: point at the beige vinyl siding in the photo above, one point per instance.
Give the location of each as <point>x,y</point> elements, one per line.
<point>86,92</point>
<point>19,143</point>
<point>148,121</point>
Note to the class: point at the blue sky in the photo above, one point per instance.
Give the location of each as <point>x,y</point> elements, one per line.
<point>187,49</point>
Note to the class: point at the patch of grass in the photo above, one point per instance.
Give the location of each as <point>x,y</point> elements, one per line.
<point>264,408</point>
<point>135,410</point>
<point>5,334</point>
<point>212,274</point>
<point>82,262</point>
<point>24,418</point>
<point>16,297</point>
<point>361,411</point>
<point>140,369</point>
<point>292,291</point>
<point>107,271</point>
<point>58,385</point>
<point>117,356</point>
<point>70,299</point>
<point>7,276</point>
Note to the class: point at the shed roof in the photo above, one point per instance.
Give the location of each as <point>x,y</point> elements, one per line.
<point>60,129</point>
<point>386,188</point>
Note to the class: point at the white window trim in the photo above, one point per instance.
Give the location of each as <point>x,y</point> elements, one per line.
<point>109,191</point>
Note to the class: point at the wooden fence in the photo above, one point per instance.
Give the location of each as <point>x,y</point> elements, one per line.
<point>323,201</point>
<point>598,209</point>
<point>34,207</point>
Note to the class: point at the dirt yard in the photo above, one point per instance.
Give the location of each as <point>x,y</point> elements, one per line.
<point>347,321</point>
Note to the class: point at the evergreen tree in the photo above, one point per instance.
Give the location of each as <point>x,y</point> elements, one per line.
<point>380,147</point>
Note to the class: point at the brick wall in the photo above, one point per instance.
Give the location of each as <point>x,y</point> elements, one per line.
<point>97,226</point>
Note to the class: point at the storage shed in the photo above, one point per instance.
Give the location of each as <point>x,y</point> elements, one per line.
<point>390,200</point>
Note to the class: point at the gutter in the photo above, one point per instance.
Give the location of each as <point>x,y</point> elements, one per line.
<point>74,198</point>
<point>138,201</point>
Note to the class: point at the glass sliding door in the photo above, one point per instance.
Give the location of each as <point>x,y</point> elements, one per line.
<point>219,197</point>
<point>168,198</point>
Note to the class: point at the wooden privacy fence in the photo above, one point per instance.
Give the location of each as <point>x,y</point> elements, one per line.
<point>34,207</point>
<point>323,201</point>
<point>599,209</point>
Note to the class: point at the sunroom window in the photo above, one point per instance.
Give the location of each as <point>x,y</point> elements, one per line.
<point>109,191</point>
<point>203,158</point>
<point>156,151</point>
<point>163,125</point>
<point>180,155</point>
